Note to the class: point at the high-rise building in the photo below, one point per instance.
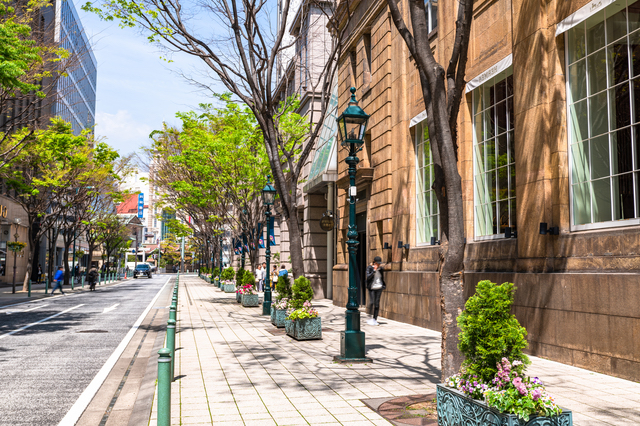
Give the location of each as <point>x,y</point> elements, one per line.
<point>76,91</point>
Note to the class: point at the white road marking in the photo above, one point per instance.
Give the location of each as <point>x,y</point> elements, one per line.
<point>85,398</point>
<point>25,310</point>
<point>41,321</point>
<point>110,308</point>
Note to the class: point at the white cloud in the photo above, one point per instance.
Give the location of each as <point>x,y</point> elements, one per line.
<point>122,131</point>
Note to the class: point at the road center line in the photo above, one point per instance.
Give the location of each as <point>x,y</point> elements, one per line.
<point>87,395</point>
<point>41,321</point>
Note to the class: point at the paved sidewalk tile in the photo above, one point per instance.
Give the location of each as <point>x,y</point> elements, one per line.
<point>232,370</point>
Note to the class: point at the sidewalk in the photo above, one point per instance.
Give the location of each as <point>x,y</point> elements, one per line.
<point>38,292</point>
<point>233,367</point>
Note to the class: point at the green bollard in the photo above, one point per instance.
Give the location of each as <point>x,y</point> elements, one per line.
<point>171,345</point>
<point>172,312</point>
<point>99,278</point>
<point>82,281</point>
<point>72,282</point>
<point>46,285</point>
<point>164,387</point>
<point>29,294</point>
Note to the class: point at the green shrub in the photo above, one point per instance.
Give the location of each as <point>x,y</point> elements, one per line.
<point>248,278</point>
<point>228,274</point>
<point>239,276</point>
<point>215,272</point>
<point>283,288</point>
<point>489,331</point>
<point>301,292</point>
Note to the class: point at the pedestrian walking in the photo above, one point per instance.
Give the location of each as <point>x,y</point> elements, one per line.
<point>274,277</point>
<point>92,277</point>
<point>259,279</point>
<point>266,279</point>
<point>39,276</point>
<point>58,279</point>
<point>283,271</point>
<point>375,285</point>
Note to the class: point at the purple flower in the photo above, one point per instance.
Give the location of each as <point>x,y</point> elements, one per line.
<point>536,394</point>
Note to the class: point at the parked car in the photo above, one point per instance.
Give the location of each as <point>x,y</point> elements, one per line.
<point>142,269</point>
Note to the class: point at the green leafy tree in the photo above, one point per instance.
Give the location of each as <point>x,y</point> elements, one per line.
<point>246,63</point>
<point>48,165</point>
<point>489,331</point>
<point>30,68</point>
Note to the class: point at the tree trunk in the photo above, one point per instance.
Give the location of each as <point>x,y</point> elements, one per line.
<point>295,245</point>
<point>67,270</point>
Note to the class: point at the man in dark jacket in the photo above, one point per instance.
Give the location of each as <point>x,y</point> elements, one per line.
<point>375,285</point>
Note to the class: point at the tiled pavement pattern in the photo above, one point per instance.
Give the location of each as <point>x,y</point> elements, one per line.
<point>232,370</point>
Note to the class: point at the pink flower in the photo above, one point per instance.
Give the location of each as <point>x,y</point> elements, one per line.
<point>536,394</point>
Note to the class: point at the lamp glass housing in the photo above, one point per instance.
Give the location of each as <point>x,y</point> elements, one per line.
<point>352,123</point>
<point>268,194</point>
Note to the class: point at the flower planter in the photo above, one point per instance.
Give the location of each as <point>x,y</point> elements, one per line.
<point>229,288</point>
<point>273,315</point>
<point>304,329</point>
<point>238,297</point>
<point>457,409</point>
<point>250,300</point>
<point>281,317</point>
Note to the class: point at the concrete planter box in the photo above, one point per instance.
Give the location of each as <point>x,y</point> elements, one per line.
<point>229,288</point>
<point>238,297</point>
<point>304,329</point>
<point>250,300</point>
<point>457,409</point>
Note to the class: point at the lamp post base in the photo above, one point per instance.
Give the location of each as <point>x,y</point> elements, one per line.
<point>352,347</point>
<point>266,307</point>
<point>341,360</point>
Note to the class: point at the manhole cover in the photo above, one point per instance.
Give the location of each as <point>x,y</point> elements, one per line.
<point>93,331</point>
<point>411,410</point>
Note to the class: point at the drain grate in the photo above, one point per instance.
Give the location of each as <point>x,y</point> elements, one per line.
<point>92,331</point>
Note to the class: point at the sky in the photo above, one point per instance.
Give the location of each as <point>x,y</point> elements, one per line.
<point>137,90</point>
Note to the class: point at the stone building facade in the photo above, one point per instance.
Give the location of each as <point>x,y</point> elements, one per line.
<point>548,138</point>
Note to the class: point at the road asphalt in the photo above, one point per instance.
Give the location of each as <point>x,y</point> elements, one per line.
<point>52,348</point>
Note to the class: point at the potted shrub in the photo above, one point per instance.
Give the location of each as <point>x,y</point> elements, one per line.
<point>249,296</point>
<point>303,321</point>
<point>215,272</point>
<point>492,387</point>
<point>239,280</point>
<point>279,308</point>
<point>227,280</point>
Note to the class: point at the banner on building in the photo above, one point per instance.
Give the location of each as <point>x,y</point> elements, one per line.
<point>272,231</point>
<point>140,205</point>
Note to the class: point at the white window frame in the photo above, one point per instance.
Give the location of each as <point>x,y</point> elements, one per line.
<point>563,28</point>
<point>474,84</point>
<point>418,122</point>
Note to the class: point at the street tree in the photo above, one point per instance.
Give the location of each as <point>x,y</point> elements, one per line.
<point>242,48</point>
<point>46,167</point>
<point>213,170</point>
<point>91,192</point>
<point>442,90</point>
<point>31,66</point>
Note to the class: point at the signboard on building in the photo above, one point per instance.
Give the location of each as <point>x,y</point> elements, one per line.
<point>140,204</point>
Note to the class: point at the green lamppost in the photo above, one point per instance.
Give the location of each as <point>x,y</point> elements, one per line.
<point>244,238</point>
<point>221,265</point>
<point>268,197</point>
<point>352,125</point>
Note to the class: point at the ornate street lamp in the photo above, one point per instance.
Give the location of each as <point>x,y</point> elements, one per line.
<point>268,197</point>
<point>221,265</point>
<point>244,238</point>
<point>352,125</point>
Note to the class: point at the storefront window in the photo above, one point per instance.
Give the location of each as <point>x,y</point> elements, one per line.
<point>603,97</point>
<point>427,211</point>
<point>494,171</point>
